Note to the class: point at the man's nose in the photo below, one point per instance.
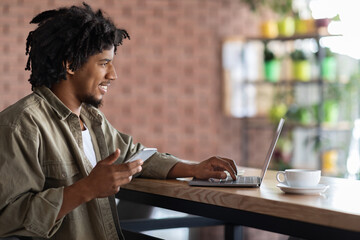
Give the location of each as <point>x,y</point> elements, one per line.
<point>112,73</point>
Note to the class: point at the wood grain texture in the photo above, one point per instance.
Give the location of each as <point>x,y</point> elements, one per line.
<point>338,207</point>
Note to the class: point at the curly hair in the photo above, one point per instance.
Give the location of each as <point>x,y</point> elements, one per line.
<point>67,35</point>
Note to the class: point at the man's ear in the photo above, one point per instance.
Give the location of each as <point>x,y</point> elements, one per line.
<point>68,70</point>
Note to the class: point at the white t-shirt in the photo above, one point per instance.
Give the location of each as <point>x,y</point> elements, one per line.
<point>88,146</point>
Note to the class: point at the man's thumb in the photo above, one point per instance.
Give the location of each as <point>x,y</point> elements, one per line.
<point>112,157</point>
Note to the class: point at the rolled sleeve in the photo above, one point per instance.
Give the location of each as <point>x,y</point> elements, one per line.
<point>159,165</point>
<point>42,213</point>
<point>32,215</point>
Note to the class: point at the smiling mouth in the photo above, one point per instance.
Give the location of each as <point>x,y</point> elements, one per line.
<point>104,86</point>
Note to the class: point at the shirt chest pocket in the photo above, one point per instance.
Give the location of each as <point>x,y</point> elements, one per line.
<point>60,174</point>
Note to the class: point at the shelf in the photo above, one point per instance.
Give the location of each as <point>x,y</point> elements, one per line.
<point>340,126</point>
<point>263,122</point>
<point>293,82</point>
<point>292,38</point>
<point>316,89</point>
<point>283,82</point>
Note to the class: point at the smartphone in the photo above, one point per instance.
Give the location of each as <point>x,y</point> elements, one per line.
<point>143,154</point>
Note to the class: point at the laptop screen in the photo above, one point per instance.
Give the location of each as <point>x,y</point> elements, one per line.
<point>272,148</point>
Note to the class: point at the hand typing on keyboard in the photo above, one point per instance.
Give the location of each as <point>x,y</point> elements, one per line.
<point>228,177</point>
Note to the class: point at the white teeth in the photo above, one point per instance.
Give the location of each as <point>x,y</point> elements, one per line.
<point>103,87</point>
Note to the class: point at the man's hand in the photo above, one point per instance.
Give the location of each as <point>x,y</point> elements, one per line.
<point>213,167</point>
<point>106,178</point>
<point>103,181</point>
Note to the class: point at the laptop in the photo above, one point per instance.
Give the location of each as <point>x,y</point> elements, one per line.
<point>243,181</point>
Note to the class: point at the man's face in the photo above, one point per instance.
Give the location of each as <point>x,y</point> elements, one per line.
<point>91,81</point>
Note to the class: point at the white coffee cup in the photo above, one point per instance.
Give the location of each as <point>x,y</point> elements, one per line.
<point>299,177</point>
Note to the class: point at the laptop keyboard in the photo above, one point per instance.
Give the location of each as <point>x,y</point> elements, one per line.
<point>239,179</point>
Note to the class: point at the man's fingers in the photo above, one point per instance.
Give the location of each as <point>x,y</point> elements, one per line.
<point>120,182</point>
<point>134,163</point>
<point>129,165</point>
<point>128,169</point>
<point>218,175</point>
<point>232,163</point>
<point>131,168</point>
<point>226,165</point>
<point>124,177</point>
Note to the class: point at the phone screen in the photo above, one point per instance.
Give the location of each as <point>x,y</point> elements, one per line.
<point>143,154</point>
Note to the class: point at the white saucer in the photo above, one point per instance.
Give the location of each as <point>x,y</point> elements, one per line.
<point>320,188</point>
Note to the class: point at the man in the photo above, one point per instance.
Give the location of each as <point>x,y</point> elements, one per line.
<point>61,160</point>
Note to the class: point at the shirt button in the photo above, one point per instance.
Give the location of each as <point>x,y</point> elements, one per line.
<point>63,174</point>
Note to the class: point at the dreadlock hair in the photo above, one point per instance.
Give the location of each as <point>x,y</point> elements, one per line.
<point>67,35</point>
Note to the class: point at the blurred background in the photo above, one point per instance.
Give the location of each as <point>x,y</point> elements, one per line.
<point>213,77</point>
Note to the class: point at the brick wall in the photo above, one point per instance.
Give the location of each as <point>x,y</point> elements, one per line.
<point>170,70</point>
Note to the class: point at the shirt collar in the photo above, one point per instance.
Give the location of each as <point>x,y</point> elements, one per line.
<point>91,113</point>
<point>63,111</point>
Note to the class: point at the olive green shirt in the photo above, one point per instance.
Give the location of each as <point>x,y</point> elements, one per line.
<point>41,152</point>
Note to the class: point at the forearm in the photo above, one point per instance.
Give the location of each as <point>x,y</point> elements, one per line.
<point>182,169</point>
<point>73,196</point>
<point>213,167</point>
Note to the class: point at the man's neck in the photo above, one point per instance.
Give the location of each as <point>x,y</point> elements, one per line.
<point>67,98</point>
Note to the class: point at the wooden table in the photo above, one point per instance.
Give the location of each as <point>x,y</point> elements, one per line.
<point>334,214</point>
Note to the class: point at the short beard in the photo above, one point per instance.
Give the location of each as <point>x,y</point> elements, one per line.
<point>92,101</point>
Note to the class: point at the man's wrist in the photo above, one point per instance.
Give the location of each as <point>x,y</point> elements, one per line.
<point>83,189</point>
<point>182,169</point>
<point>192,169</point>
